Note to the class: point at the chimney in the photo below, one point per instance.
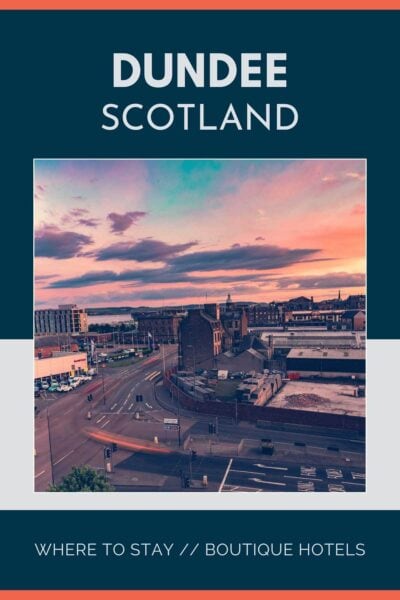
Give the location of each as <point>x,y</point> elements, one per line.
<point>212,310</point>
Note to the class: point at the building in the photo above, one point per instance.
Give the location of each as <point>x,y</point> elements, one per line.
<point>163,328</point>
<point>355,302</point>
<point>265,314</point>
<point>314,316</point>
<point>46,346</point>
<point>259,389</point>
<point>354,320</point>
<point>234,321</point>
<point>300,303</point>
<point>67,318</point>
<point>309,338</point>
<point>305,362</point>
<point>200,338</point>
<point>60,365</point>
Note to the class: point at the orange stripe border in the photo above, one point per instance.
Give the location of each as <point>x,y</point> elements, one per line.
<point>199,5</point>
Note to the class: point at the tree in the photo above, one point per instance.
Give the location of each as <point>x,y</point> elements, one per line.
<point>83,479</point>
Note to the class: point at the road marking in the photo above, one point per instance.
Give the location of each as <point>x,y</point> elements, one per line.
<point>62,458</point>
<point>225,475</point>
<point>39,474</point>
<point>334,473</point>
<point>68,411</point>
<point>268,482</point>
<point>148,376</point>
<point>248,472</point>
<point>307,478</point>
<point>305,486</point>
<point>106,423</point>
<point>156,374</point>
<point>101,418</point>
<point>114,405</point>
<point>309,471</point>
<point>270,467</point>
<point>357,475</point>
<point>148,405</point>
<point>130,406</point>
<point>240,488</point>
<point>336,487</point>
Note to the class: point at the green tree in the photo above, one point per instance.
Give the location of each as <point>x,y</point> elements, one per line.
<point>83,479</point>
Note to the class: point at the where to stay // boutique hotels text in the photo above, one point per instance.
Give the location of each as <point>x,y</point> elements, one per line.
<point>214,71</point>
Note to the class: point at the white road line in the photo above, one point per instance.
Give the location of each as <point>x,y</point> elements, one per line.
<point>114,405</point>
<point>248,472</point>
<point>147,378</point>
<point>270,467</point>
<point>62,458</point>
<point>39,474</point>
<point>226,475</point>
<point>68,411</point>
<point>303,478</point>
<point>267,482</point>
<point>130,406</point>
<point>101,418</point>
<point>106,423</point>
<point>155,374</point>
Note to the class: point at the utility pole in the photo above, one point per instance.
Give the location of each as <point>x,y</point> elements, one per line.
<point>102,380</point>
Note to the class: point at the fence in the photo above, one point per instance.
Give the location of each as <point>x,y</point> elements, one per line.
<point>249,412</point>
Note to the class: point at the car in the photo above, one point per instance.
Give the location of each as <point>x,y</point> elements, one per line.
<point>53,388</point>
<point>44,385</point>
<point>64,388</point>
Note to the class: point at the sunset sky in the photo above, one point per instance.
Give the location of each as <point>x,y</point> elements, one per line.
<point>162,232</point>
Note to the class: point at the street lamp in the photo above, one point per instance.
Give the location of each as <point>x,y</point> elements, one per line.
<point>194,368</point>
<point>44,394</point>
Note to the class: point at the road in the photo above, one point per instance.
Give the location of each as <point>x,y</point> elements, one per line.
<point>61,440</point>
<point>62,421</point>
<point>239,475</point>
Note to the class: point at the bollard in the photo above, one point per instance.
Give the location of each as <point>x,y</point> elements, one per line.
<point>155,439</point>
<point>205,481</point>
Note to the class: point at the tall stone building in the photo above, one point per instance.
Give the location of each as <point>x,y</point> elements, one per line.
<point>200,338</point>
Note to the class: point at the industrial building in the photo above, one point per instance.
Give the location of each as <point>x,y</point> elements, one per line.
<point>316,338</point>
<point>326,363</point>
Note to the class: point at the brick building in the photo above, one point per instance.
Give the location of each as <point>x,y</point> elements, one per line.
<point>354,320</point>
<point>45,346</point>
<point>163,328</point>
<point>265,314</point>
<point>200,338</point>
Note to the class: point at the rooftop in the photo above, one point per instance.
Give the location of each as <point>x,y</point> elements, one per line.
<point>326,353</point>
<point>320,397</point>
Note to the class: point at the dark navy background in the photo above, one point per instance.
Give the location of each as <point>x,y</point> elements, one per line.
<point>56,74</point>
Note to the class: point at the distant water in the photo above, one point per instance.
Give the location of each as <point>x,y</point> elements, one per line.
<point>109,319</point>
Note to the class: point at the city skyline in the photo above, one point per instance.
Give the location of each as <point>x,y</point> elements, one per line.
<point>165,232</point>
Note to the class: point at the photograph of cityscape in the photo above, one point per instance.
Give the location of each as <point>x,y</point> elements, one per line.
<point>200,325</point>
